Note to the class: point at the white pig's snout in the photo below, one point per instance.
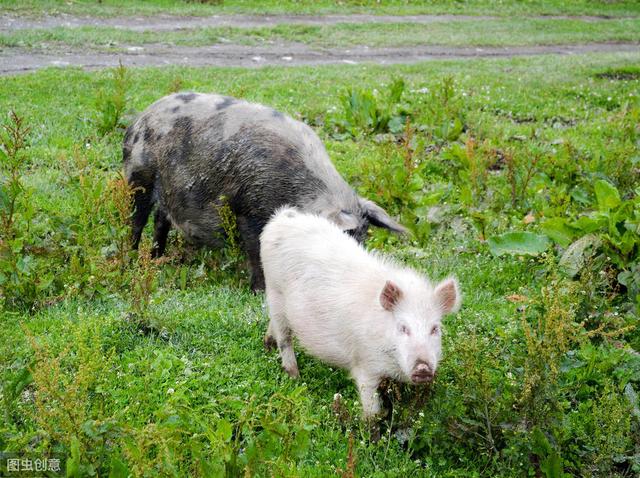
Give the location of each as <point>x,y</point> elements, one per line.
<point>422,372</point>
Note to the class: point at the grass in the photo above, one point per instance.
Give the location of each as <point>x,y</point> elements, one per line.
<point>188,390</point>
<point>393,7</point>
<point>500,32</point>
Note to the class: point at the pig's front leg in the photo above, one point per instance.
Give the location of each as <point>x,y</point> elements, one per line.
<point>279,332</point>
<point>368,389</point>
<point>288,356</point>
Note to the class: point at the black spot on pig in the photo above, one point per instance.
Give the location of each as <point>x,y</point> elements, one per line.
<point>228,101</point>
<point>149,134</point>
<point>186,97</point>
<point>277,115</point>
<point>175,109</point>
<point>183,123</point>
<point>181,140</point>
<point>126,152</point>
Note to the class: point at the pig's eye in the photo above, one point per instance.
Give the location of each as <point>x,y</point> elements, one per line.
<point>405,330</point>
<point>435,330</point>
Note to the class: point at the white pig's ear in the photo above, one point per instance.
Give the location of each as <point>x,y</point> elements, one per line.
<point>390,295</point>
<point>447,295</point>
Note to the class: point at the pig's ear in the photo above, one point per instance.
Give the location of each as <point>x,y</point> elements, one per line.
<point>447,295</point>
<point>390,295</point>
<point>379,217</point>
<point>344,220</point>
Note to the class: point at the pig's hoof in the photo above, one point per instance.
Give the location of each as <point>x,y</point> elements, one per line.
<point>292,371</point>
<point>257,285</point>
<point>270,343</point>
<point>374,430</point>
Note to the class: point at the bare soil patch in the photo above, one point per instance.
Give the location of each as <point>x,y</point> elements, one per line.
<point>16,60</point>
<point>172,22</point>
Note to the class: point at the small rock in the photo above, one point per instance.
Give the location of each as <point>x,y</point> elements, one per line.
<point>435,214</point>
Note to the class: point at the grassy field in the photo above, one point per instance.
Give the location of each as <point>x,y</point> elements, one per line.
<point>519,176</point>
<point>393,7</point>
<point>128,366</point>
<point>499,32</point>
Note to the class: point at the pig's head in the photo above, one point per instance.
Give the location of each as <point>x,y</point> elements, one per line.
<point>417,319</point>
<point>356,218</point>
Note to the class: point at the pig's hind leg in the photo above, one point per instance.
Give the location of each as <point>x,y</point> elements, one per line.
<point>279,333</point>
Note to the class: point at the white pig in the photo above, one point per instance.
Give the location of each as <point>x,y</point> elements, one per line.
<point>348,307</point>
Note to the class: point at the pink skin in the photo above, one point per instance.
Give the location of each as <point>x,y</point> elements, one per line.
<point>419,347</point>
<point>418,328</point>
<point>317,276</point>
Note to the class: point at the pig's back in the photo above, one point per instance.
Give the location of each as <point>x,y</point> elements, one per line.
<point>198,122</point>
<point>329,284</point>
<point>204,150</point>
<point>301,248</point>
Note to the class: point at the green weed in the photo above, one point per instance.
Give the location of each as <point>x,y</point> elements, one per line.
<point>143,285</point>
<point>69,396</point>
<point>111,102</point>
<point>19,283</point>
<point>118,202</point>
<point>539,370</point>
<point>370,112</point>
<point>550,336</point>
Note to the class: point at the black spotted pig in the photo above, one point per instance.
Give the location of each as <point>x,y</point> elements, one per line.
<point>189,154</point>
<point>348,307</point>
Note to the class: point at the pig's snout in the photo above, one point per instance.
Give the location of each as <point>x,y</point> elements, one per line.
<point>422,372</point>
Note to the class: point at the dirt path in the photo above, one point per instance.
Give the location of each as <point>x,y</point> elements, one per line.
<point>15,60</point>
<point>169,22</point>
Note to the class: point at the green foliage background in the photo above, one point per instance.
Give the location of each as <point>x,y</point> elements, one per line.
<point>519,176</point>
